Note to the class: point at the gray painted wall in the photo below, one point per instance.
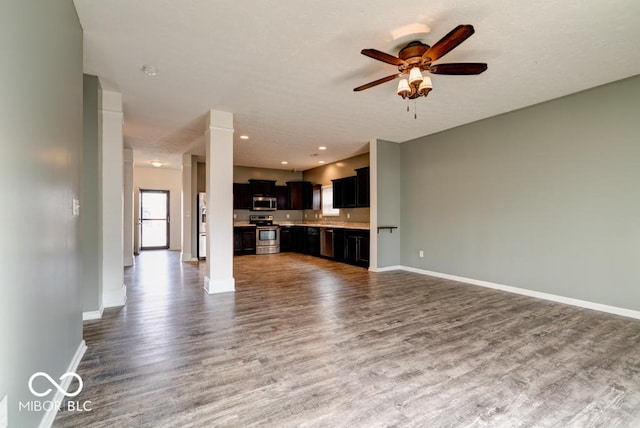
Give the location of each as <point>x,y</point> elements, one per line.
<point>90,227</point>
<point>40,164</point>
<point>545,198</point>
<point>389,202</point>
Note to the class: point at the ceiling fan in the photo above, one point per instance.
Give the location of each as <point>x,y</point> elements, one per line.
<point>417,57</point>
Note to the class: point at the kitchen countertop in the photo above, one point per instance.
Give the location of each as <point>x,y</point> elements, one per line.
<point>326,225</point>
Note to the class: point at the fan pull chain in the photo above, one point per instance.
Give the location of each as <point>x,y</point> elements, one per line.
<point>415,109</point>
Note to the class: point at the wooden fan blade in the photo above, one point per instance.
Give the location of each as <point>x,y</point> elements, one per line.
<point>377,82</point>
<point>459,68</point>
<point>448,42</point>
<point>384,57</point>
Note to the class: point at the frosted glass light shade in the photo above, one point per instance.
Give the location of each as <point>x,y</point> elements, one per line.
<point>415,76</point>
<point>425,86</point>
<point>403,88</point>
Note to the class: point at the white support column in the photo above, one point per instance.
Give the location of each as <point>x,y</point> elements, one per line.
<point>127,250</point>
<point>219,148</point>
<point>373,203</point>
<point>114,292</point>
<point>187,195</point>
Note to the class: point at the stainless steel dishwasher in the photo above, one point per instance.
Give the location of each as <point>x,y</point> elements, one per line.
<point>326,242</point>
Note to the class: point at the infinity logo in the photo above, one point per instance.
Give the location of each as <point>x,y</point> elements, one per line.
<point>55,384</point>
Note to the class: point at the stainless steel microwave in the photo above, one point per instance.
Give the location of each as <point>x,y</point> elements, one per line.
<point>264,203</point>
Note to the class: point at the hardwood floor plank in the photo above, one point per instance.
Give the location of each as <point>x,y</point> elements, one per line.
<point>304,342</point>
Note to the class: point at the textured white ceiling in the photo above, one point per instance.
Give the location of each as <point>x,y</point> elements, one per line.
<point>286,69</point>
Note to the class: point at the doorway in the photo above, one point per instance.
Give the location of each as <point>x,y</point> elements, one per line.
<point>154,219</point>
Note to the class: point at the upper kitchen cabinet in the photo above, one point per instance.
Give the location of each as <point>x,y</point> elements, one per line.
<point>241,196</point>
<point>351,192</point>
<point>282,195</point>
<point>344,192</point>
<point>300,195</point>
<point>362,187</point>
<point>262,187</point>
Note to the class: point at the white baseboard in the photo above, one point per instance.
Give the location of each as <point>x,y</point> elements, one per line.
<point>385,269</point>
<point>129,261</point>
<point>93,315</point>
<point>219,286</point>
<point>114,298</point>
<point>50,414</point>
<point>531,293</point>
<point>186,257</point>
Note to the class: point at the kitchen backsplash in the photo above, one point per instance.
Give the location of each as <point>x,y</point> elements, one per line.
<point>280,215</point>
<point>355,215</point>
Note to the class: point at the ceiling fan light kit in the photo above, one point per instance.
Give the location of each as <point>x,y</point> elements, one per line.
<point>417,57</point>
<point>417,85</point>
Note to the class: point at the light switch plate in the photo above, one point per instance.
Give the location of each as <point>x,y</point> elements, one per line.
<point>75,210</point>
<point>4,412</point>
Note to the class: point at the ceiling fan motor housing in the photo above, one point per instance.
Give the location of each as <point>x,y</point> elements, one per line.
<point>412,55</point>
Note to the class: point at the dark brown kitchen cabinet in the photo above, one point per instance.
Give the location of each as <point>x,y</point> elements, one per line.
<point>285,239</point>
<point>338,245</point>
<point>292,238</point>
<point>344,192</point>
<point>282,195</point>
<point>312,241</point>
<point>362,187</point>
<point>241,196</point>
<point>337,193</point>
<point>356,247</point>
<point>349,245</point>
<point>300,195</point>
<point>262,187</point>
<point>244,240</point>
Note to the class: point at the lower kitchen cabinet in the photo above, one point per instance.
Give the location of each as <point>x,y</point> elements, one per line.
<point>349,245</point>
<point>312,241</point>
<point>244,240</point>
<point>292,239</point>
<point>338,245</point>
<point>356,247</point>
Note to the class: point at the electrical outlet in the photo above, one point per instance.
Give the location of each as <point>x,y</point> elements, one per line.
<point>235,216</point>
<point>305,215</point>
<point>348,216</point>
<point>4,412</point>
<point>287,215</point>
<point>421,254</point>
<point>316,215</point>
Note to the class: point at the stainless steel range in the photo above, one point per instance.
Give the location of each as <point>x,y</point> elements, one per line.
<point>267,234</point>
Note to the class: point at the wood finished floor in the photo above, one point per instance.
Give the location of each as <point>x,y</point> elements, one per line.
<point>306,342</point>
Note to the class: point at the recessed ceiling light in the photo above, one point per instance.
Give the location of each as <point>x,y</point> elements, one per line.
<point>157,164</point>
<point>320,161</point>
<point>244,137</point>
<point>150,70</point>
<point>284,162</point>
<point>322,148</point>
